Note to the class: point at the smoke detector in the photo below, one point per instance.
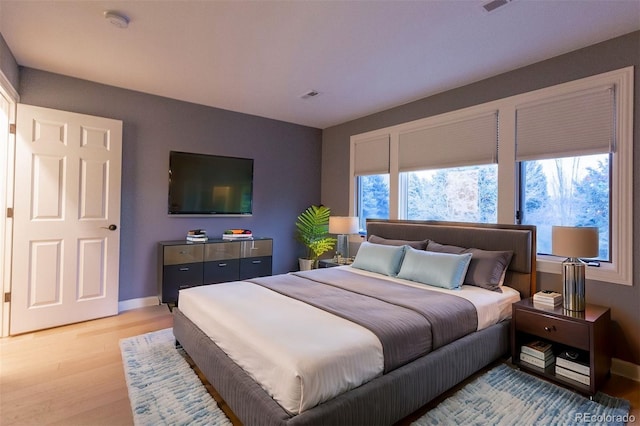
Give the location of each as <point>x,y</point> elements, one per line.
<point>310,94</point>
<point>116,19</point>
<point>494,4</point>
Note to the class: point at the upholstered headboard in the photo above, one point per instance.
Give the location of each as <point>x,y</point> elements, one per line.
<point>521,239</point>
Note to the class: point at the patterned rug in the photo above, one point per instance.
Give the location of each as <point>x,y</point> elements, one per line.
<point>164,390</point>
<point>504,396</point>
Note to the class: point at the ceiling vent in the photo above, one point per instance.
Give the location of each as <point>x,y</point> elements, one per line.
<point>310,94</point>
<point>494,4</point>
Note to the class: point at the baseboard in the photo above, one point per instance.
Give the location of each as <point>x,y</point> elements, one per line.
<point>625,369</point>
<point>126,305</point>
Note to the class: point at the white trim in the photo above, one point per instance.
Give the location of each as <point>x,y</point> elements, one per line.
<point>127,305</point>
<point>7,159</point>
<point>625,369</point>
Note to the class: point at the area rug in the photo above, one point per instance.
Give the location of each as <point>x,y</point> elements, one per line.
<point>504,396</point>
<point>163,389</point>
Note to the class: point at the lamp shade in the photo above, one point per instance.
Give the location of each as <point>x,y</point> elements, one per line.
<point>569,241</point>
<point>343,225</point>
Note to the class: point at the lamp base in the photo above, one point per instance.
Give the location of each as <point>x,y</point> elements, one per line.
<point>342,248</point>
<point>573,287</point>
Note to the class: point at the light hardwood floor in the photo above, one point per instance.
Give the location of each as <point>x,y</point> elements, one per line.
<point>73,375</point>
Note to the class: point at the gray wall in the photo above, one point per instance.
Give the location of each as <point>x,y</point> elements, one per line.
<point>611,55</point>
<point>286,167</point>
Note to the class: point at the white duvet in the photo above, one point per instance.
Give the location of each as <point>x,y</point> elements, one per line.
<point>302,355</point>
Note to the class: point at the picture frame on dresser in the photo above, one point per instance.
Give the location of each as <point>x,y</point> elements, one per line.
<point>584,336</point>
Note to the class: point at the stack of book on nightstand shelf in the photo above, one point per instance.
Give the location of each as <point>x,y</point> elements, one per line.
<point>574,365</point>
<point>197,236</point>
<point>537,353</point>
<point>547,298</point>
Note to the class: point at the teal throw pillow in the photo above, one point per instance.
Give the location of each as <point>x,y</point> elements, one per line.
<point>382,259</point>
<point>444,270</point>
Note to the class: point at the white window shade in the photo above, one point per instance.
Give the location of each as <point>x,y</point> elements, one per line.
<point>582,123</point>
<point>470,141</point>
<point>371,156</point>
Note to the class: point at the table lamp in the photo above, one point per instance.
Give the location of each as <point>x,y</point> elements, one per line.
<point>342,226</point>
<point>574,243</point>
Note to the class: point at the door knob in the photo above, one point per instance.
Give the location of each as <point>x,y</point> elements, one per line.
<point>111,227</point>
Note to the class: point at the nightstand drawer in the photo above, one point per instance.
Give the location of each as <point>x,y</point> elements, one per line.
<point>552,328</point>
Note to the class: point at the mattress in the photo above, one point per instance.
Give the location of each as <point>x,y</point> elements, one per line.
<point>314,357</point>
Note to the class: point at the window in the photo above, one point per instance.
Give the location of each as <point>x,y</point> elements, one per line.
<point>373,198</point>
<point>570,191</point>
<point>461,194</point>
<point>565,158</point>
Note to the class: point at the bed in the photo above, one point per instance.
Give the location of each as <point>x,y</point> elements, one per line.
<point>306,376</point>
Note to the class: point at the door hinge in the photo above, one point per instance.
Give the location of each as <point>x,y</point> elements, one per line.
<point>7,297</point>
<point>9,212</point>
<point>12,129</point>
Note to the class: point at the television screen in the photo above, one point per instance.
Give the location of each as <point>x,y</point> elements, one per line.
<point>201,184</point>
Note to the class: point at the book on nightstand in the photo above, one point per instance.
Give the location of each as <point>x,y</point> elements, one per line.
<point>564,372</point>
<point>538,348</point>
<point>537,362</point>
<point>575,361</point>
<point>547,298</point>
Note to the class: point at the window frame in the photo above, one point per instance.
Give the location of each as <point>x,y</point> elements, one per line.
<point>620,269</point>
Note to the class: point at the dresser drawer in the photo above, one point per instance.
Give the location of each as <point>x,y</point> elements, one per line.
<point>221,271</point>
<point>255,267</point>
<point>222,251</point>
<point>177,277</point>
<point>552,328</point>
<point>177,255</point>
<point>256,248</point>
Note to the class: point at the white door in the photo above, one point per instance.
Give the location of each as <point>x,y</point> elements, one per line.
<point>67,197</point>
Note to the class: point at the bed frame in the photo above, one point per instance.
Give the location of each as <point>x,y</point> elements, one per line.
<point>393,396</point>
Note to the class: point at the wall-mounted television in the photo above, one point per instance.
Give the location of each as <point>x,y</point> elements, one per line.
<point>210,185</point>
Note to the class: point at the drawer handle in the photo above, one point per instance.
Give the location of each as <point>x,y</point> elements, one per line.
<point>222,265</point>
<point>185,286</point>
<point>255,262</point>
<point>550,329</point>
<point>183,252</point>
<point>184,269</point>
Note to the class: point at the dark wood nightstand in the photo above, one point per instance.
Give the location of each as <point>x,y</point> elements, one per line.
<point>587,332</point>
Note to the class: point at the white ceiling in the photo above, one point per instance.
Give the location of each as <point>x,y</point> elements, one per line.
<point>259,57</point>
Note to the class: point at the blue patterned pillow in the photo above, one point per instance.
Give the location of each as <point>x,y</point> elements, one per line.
<point>379,258</point>
<point>444,270</point>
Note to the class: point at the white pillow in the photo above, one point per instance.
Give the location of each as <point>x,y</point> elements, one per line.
<point>444,270</point>
<point>379,258</point>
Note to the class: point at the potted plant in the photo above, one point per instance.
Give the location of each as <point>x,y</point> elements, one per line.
<point>312,230</point>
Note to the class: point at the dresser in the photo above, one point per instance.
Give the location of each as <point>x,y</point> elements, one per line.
<point>184,264</point>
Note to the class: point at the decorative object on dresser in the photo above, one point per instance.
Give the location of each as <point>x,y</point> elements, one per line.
<point>237,234</point>
<point>547,298</point>
<point>585,333</point>
<point>197,235</point>
<point>183,265</point>
<point>343,226</point>
<point>574,243</point>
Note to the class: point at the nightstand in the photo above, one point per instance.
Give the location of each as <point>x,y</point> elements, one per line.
<point>327,263</point>
<point>587,332</point>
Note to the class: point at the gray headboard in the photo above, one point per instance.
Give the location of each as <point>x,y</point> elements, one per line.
<point>521,239</point>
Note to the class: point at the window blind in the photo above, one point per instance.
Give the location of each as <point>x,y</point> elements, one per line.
<point>582,123</point>
<point>371,156</point>
<point>470,141</point>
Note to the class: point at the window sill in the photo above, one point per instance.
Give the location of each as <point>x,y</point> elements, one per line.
<point>606,272</point>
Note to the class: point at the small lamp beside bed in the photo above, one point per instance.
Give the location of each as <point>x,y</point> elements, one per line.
<point>343,226</point>
<point>574,243</point>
